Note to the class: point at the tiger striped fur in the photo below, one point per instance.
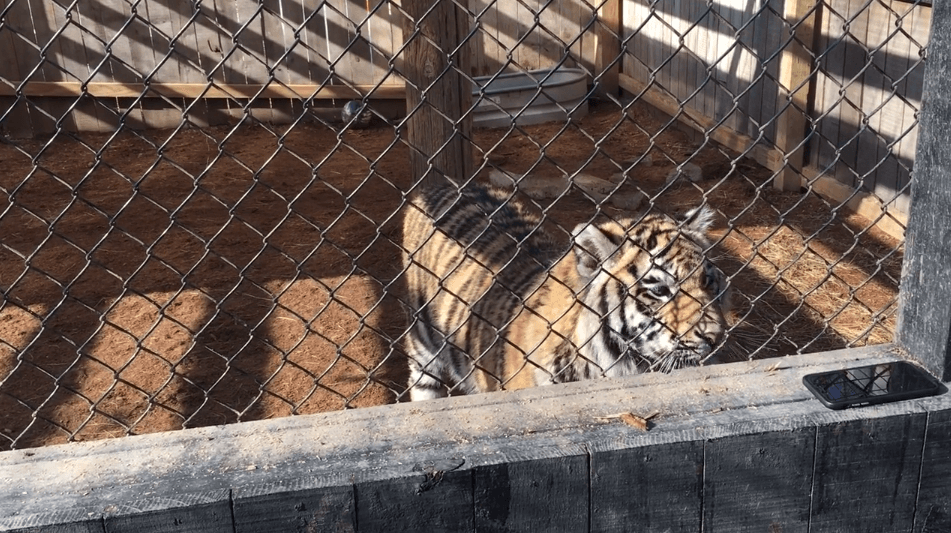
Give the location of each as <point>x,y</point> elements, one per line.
<point>497,304</point>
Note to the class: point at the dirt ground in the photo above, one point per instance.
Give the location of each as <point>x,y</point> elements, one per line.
<point>201,277</point>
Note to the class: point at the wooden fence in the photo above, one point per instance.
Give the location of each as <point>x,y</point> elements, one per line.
<point>727,69</point>
<point>742,448</point>
<point>723,68</point>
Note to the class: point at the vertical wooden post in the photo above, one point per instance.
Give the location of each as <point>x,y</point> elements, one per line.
<point>437,94</point>
<point>795,65</point>
<point>608,33</point>
<point>924,312</point>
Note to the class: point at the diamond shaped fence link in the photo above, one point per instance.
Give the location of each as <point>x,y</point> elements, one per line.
<point>192,233</point>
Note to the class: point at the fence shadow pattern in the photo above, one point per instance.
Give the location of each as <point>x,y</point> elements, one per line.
<point>242,261</point>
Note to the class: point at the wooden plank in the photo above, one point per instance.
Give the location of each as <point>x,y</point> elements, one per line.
<point>892,60</point>
<point>705,47</point>
<point>199,513</point>
<point>716,48</point>
<point>507,32</point>
<point>651,488</point>
<point>770,158</point>
<point>933,508</point>
<point>759,482</point>
<point>866,474</point>
<point>861,202</point>
<point>771,88</point>
<point>436,128</point>
<point>507,495</point>
<point>202,90</point>
<point>384,32</point>
<point>589,40</point>
<point>404,505</point>
<point>754,103</point>
<point>850,113</point>
<point>686,71</point>
<point>875,91</point>
<point>275,509</point>
<point>608,47</point>
<point>826,103</point>
<point>483,44</point>
<point>331,449</point>
<point>634,64</point>
<point>17,122</point>
<point>924,315</point>
<point>34,28</point>
<point>58,522</point>
<point>919,28</point>
<point>794,69</point>
<point>92,526</point>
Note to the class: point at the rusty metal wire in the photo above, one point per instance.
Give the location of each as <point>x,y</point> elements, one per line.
<point>194,230</point>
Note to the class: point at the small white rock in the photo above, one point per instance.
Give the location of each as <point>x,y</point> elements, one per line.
<point>502,179</point>
<point>593,185</point>
<point>630,202</point>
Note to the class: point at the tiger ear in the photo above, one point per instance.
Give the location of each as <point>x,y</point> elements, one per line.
<point>591,247</point>
<point>697,222</point>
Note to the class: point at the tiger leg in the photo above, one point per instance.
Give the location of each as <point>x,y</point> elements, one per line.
<point>424,367</point>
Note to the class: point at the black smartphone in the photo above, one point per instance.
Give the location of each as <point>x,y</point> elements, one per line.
<point>866,385</point>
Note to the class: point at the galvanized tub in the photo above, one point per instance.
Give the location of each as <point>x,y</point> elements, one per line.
<point>531,97</point>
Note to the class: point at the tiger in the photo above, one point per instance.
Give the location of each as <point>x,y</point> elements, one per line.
<point>497,304</point>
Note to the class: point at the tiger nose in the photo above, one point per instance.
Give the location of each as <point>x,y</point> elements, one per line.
<point>705,344</point>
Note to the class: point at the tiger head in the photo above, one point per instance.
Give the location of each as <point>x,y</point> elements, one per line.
<point>653,301</point>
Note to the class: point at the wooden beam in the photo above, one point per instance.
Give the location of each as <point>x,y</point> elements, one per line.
<point>795,67</point>
<point>933,508</point>
<point>769,157</point>
<point>437,93</point>
<point>438,462</point>
<point>735,474</point>
<point>608,34</point>
<point>924,317</point>
<point>853,460</point>
<point>866,204</point>
<point>202,90</point>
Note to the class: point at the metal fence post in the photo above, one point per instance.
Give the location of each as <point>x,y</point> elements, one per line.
<point>924,320</point>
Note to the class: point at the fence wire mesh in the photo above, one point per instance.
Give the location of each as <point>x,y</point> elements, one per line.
<point>193,233</point>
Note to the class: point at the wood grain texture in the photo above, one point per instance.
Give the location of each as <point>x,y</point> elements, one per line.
<point>933,509</point>
<point>397,505</point>
<point>651,488</point>
<point>866,474</point>
<point>142,474</point>
<point>204,90</point>
<point>273,510</point>
<point>437,93</point>
<point>208,513</point>
<point>759,482</point>
<point>863,203</point>
<point>924,315</point>
<point>608,33</point>
<point>78,526</point>
<point>795,68</point>
<point>541,495</point>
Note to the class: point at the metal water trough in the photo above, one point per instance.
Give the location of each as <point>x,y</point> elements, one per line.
<point>531,97</point>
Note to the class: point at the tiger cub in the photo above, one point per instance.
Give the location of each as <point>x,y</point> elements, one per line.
<point>497,304</point>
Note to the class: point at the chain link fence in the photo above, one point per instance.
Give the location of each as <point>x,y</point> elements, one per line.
<point>192,233</point>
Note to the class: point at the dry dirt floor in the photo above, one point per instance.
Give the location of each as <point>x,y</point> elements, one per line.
<point>198,277</point>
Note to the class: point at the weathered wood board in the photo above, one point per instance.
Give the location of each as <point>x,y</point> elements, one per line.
<point>486,460</point>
